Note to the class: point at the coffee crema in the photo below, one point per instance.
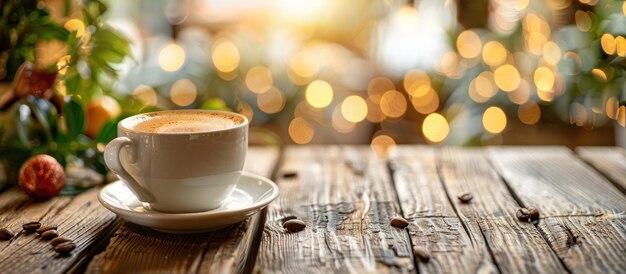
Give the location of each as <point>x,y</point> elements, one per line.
<point>184,122</point>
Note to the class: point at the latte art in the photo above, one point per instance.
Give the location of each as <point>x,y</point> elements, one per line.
<point>185,122</point>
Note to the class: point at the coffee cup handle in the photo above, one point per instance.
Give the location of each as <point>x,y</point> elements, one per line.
<point>112,159</point>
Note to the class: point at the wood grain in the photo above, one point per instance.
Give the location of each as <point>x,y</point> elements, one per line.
<point>137,249</point>
<point>345,197</point>
<point>556,182</point>
<point>80,218</point>
<point>515,246</point>
<point>455,246</point>
<point>588,244</point>
<point>583,214</point>
<point>611,161</point>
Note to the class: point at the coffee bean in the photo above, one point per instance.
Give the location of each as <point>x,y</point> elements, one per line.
<point>465,197</point>
<point>287,218</point>
<point>294,225</point>
<point>523,214</point>
<point>6,234</point>
<point>421,255</point>
<point>43,229</point>
<point>59,240</point>
<point>534,213</point>
<point>31,227</point>
<point>399,222</point>
<point>290,174</point>
<point>65,248</point>
<point>49,234</point>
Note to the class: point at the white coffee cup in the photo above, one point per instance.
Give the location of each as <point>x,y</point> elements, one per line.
<point>180,160</point>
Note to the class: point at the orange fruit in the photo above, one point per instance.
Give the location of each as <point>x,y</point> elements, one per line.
<point>98,111</point>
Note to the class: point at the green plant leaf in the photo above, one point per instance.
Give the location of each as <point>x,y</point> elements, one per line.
<point>74,116</point>
<point>109,129</point>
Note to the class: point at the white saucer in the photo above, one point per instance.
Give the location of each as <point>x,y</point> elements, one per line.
<point>253,192</point>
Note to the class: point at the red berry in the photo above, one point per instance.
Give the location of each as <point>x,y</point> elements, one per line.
<point>41,176</point>
<point>33,81</point>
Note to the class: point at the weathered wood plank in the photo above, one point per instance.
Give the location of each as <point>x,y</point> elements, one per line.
<point>588,244</point>
<point>139,249</point>
<point>435,227</point>
<point>515,246</point>
<point>347,200</point>
<point>611,161</point>
<point>556,181</point>
<point>583,214</point>
<point>80,218</point>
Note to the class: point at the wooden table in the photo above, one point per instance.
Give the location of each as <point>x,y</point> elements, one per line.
<point>347,196</point>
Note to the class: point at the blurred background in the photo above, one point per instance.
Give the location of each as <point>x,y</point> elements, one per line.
<point>479,72</point>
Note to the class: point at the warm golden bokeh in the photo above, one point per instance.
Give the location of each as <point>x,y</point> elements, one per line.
<point>147,95</point>
<point>435,128</point>
<point>507,77</point>
<point>183,92</point>
<point>271,101</point>
<point>259,79</point>
<point>354,109</point>
<point>494,53</point>
<point>494,120</point>
<point>300,131</point>
<point>393,104</point>
<point>544,78</point>
<point>225,56</point>
<point>303,67</point>
<point>426,104</point>
<point>171,57</point>
<point>620,46</point>
<point>583,20</point>
<point>319,94</point>
<point>339,122</point>
<point>416,83</point>
<point>529,113</point>
<point>382,145</point>
<point>551,53</point>
<point>377,87</point>
<point>468,44</point>
<point>607,41</point>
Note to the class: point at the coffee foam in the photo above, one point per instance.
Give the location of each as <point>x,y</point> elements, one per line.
<point>184,122</point>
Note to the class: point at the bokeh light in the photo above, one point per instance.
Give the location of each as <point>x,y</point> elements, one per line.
<point>607,41</point>
<point>146,94</point>
<point>468,44</point>
<point>319,94</point>
<point>183,92</point>
<point>354,109</point>
<point>435,128</point>
<point>551,53</point>
<point>303,67</point>
<point>393,104</point>
<point>494,120</point>
<point>225,56</point>
<point>271,101</point>
<point>529,113</point>
<point>339,122</point>
<point>300,131</point>
<point>544,78</point>
<point>259,79</point>
<point>494,53</point>
<point>382,145</point>
<point>507,77</point>
<point>171,57</point>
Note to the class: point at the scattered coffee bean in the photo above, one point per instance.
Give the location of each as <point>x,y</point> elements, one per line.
<point>31,226</point>
<point>65,248</point>
<point>290,174</point>
<point>399,222</point>
<point>421,255</point>
<point>287,218</point>
<point>6,234</point>
<point>534,213</point>
<point>294,225</point>
<point>43,229</point>
<point>59,240</point>
<point>49,234</point>
<point>465,197</point>
<point>523,214</point>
